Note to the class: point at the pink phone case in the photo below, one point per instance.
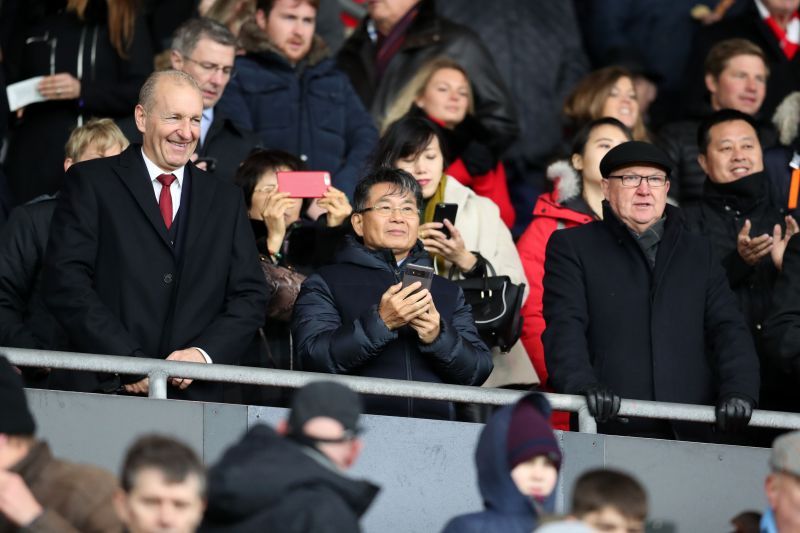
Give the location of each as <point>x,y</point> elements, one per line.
<point>304,184</point>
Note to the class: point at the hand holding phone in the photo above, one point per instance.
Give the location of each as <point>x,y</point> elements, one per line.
<point>445,211</point>
<point>304,184</point>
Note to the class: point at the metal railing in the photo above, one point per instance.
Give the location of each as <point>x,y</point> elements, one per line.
<point>158,371</point>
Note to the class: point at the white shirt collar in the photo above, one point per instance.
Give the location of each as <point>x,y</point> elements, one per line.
<point>154,171</point>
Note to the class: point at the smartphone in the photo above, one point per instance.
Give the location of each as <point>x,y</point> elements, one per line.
<point>211,163</point>
<point>421,273</point>
<point>304,184</point>
<point>445,211</point>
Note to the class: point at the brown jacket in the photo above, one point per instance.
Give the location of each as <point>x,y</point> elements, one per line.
<point>75,498</point>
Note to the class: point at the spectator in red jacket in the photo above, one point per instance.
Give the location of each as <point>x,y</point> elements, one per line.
<point>576,200</point>
<point>441,91</point>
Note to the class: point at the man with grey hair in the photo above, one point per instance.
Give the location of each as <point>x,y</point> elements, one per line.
<point>205,49</point>
<point>152,257</point>
<point>783,486</point>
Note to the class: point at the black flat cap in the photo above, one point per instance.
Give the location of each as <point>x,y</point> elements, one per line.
<point>634,153</point>
<point>328,399</point>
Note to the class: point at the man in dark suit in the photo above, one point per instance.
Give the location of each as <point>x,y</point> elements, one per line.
<point>150,256</point>
<point>637,307</point>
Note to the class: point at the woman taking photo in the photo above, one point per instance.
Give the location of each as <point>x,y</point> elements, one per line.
<point>576,200</point>
<point>477,235</point>
<point>441,92</point>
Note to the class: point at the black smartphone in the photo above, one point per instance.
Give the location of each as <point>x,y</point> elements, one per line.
<point>445,211</point>
<point>421,273</point>
<point>211,163</point>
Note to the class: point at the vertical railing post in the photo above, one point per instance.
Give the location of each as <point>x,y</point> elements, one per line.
<point>158,384</point>
<point>586,422</point>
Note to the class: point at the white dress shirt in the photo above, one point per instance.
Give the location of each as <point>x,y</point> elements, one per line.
<point>175,191</point>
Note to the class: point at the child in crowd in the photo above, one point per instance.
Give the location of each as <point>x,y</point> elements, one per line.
<point>610,501</point>
<point>518,460</point>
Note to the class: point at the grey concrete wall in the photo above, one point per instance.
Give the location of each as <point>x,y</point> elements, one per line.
<point>425,467</point>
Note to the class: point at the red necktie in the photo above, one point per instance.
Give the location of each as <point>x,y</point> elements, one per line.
<point>165,198</point>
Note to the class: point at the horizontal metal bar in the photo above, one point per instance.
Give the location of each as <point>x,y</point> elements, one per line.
<point>364,385</point>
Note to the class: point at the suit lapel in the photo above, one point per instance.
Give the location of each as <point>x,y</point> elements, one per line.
<point>133,173</point>
<point>201,196</point>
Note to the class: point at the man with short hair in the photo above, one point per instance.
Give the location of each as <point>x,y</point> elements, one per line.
<point>742,217</point>
<point>289,91</point>
<point>782,486</point>
<point>150,256</point>
<point>638,307</point>
<point>163,487</point>
<point>736,76</point>
<point>295,477</point>
<point>356,317</point>
<point>37,491</point>
<point>206,49</point>
<point>25,321</point>
<point>610,501</point>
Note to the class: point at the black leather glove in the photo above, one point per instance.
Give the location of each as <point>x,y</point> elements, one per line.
<point>603,404</point>
<point>733,413</point>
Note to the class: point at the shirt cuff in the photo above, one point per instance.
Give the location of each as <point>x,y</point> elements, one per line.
<point>205,355</point>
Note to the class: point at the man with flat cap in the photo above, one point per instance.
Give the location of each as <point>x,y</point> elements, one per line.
<point>294,478</point>
<point>637,307</point>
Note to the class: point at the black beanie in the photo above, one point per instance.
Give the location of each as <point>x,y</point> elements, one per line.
<point>15,417</point>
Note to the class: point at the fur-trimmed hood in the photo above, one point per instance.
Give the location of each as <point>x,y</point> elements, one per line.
<point>566,180</point>
<point>254,41</point>
<point>787,119</point>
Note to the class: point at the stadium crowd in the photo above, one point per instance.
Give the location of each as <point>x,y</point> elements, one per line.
<point>545,196</point>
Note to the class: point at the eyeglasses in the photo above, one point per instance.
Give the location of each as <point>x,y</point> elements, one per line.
<point>632,180</point>
<point>211,68</point>
<point>265,188</point>
<point>386,211</point>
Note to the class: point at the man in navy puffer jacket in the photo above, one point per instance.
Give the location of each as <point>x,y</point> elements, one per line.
<point>354,318</point>
<point>289,91</point>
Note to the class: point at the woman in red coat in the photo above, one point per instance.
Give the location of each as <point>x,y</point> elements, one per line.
<point>576,200</point>
<point>441,91</point>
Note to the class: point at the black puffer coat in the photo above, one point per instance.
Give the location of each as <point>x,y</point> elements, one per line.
<point>720,217</point>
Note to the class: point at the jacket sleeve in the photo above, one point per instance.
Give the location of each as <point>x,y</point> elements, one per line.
<point>732,344</point>
<point>244,311</point>
<point>118,96</point>
<point>361,137</point>
<point>566,314</point>
<point>459,353</point>
<point>234,106</point>
<point>782,328</point>
<point>20,263</point>
<point>67,279</point>
<point>531,247</point>
<point>326,344</point>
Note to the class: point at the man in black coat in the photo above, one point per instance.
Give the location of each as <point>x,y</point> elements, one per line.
<point>294,480</point>
<point>356,317</point>
<point>637,307</point>
<point>151,257</point>
<point>743,220</point>
<point>398,37</point>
